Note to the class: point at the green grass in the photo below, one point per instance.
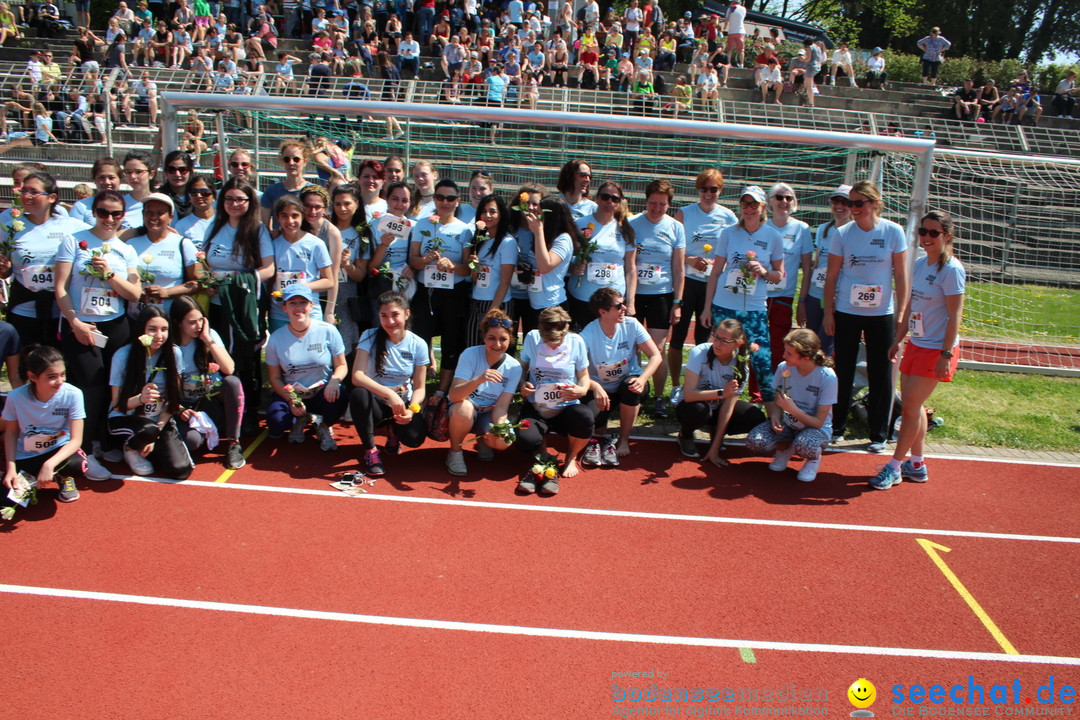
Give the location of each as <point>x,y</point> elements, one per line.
<point>1028,313</point>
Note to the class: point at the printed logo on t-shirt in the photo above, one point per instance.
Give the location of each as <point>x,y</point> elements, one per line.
<point>316,347</point>
<point>406,355</point>
<point>60,412</point>
<point>762,244</point>
<point>857,260</point>
<point>878,242</point>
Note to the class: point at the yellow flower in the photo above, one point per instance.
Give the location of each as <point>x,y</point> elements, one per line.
<point>146,340</point>
<point>591,226</point>
<point>414,408</point>
<point>708,247</point>
<point>524,197</point>
<point>550,473</point>
<point>277,294</point>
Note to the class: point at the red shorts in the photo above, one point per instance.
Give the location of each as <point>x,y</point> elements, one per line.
<point>922,362</point>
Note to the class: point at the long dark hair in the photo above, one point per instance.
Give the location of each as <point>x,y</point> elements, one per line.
<point>558,221</point>
<point>501,230</point>
<point>48,183</point>
<point>568,176</point>
<point>247,232</point>
<point>949,226</point>
<point>135,371</point>
<point>359,216</point>
<point>392,297</point>
<point>37,359</point>
<point>181,306</point>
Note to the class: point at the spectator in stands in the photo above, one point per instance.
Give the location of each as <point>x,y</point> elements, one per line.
<point>709,88</point>
<point>285,79</point>
<point>800,75</point>
<point>83,50</point>
<point>772,79</point>
<point>48,19</point>
<point>9,28</point>
<point>125,16</point>
<point>1063,101</point>
<point>203,19</point>
<point>161,44</point>
<point>145,97</point>
<point>841,60</point>
<point>684,36</point>
<point>408,59</point>
<point>22,103</point>
<point>875,72</point>
<point>933,46</point>
<point>989,98</point>
<point>736,31</point>
<point>632,21</point>
<point>665,53</point>
<point>559,61</point>
<point>966,102</point>
<point>182,46</point>
<point>683,96</point>
<point>318,76</point>
<point>1029,97</point>
<point>391,77</point>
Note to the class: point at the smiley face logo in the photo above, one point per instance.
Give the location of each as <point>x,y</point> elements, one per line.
<point>862,693</point>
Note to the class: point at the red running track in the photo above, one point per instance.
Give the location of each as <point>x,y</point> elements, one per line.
<point>463,561</point>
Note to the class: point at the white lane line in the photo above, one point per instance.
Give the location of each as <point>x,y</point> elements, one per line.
<point>858,450</point>
<point>617,513</point>
<point>537,631</point>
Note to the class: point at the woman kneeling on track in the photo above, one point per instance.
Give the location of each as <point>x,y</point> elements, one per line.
<point>212,396</point>
<point>933,322</point>
<point>145,382</point>
<point>555,376</point>
<point>616,378</point>
<point>484,384</point>
<point>305,361</point>
<point>389,373</point>
<point>45,419</point>
<point>805,388</point>
<point>715,375</point>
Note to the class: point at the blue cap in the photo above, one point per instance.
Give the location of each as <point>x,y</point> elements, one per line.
<point>297,289</point>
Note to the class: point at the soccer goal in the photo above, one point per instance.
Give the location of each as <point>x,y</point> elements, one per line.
<point>1022,308</point>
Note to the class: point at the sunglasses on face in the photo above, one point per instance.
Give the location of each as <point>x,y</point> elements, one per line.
<point>783,198</point>
<point>444,198</point>
<point>560,325</point>
<point>855,203</point>
<point>499,322</point>
<point>709,189</point>
<point>726,341</point>
<point>106,214</point>
<point>201,193</point>
<point>609,197</point>
<point>585,175</point>
<point>235,164</point>
<point>749,203</point>
<point>178,169</point>
<point>927,232</point>
<point>292,159</point>
<point>618,306</point>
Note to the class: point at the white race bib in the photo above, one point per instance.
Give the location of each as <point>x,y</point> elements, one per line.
<point>285,278</point>
<point>36,278</point>
<point>819,278</point>
<point>650,274</point>
<point>98,301</point>
<point>393,225</point>
<point>483,277</point>
<point>866,296</point>
<point>738,283</point>
<point>613,372</point>
<point>151,409</point>
<point>39,444</point>
<point>692,271</point>
<point>537,285</point>
<point>915,325</point>
<point>436,279</point>
<point>602,273</point>
<point>548,396</point>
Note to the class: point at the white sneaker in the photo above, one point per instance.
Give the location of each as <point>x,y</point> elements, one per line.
<point>96,471</point>
<point>113,455</point>
<point>779,463</point>
<point>138,464</point>
<point>809,470</point>
<point>325,433</point>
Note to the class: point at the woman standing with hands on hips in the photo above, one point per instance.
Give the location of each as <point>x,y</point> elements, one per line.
<point>749,255</point>
<point>866,258</point>
<point>932,321</point>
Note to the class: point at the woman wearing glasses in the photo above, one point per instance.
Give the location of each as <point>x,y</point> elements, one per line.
<point>166,258</point>
<point>294,156</point>
<point>178,169</point>
<point>574,179</point>
<point>702,222</point>
<point>555,377</point>
<point>31,299</point>
<point>932,323</point>
<point>241,166</point>
<point>866,258</point>
<point>798,250</point>
<point>484,384</point>
<point>200,191</point>
<point>715,377</point>
<point>607,256</point>
<point>749,255</point>
<point>811,312</point>
<point>140,172</point>
<point>437,256</point>
<point>614,342</point>
<point>96,276</point>
<point>240,257</point>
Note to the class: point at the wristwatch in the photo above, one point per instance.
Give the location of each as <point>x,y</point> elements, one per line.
<point>677,301</point>
<point>947,354</point>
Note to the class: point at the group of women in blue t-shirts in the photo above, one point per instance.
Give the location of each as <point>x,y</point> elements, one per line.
<point>161,333</point>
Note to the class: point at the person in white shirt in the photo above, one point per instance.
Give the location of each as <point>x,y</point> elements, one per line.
<point>736,32</point>
<point>841,60</point>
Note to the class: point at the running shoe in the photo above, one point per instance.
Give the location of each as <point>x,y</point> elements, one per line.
<point>393,443</point>
<point>296,434</point>
<point>660,409</point>
<point>781,459</point>
<point>688,445</point>
<point>914,474</point>
<point>886,478</point>
<point>234,457</point>
<point>593,455</point>
<point>808,471</point>
<point>96,471</point>
<point>610,458</point>
<point>484,453</point>
<point>455,463</point>
<point>876,447</point>
<point>138,464</point>
<point>373,463</point>
<point>550,487</point>
<point>68,491</point>
<point>527,484</point>
<point>325,433</point>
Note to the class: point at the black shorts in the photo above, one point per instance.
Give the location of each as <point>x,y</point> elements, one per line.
<point>654,311</point>
<point>930,68</point>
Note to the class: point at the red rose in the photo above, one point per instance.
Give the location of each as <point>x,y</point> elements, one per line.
<point>83,245</point>
<point>525,424</point>
<point>374,272</point>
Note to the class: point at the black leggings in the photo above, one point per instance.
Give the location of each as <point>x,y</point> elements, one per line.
<point>88,369</point>
<point>878,331</point>
<point>247,358</point>
<point>693,304</point>
<point>369,411</point>
<point>446,309</point>
<point>170,456</point>
<point>621,395</point>
<point>692,415</point>
<point>574,421</point>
